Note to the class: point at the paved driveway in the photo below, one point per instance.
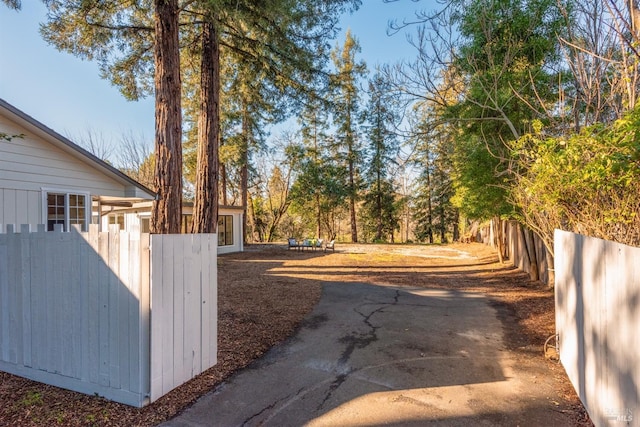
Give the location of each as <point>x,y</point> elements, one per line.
<point>372,355</point>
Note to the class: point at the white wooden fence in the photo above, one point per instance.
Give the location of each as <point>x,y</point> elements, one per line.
<point>126,316</point>
<point>598,324</point>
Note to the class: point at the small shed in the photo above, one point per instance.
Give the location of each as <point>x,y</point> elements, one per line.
<point>47,179</point>
<point>129,218</point>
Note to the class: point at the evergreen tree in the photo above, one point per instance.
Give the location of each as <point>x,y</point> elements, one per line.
<point>286,39</point>
<point>382,117</point>
<point>320,188</point>
<point>345,98</point>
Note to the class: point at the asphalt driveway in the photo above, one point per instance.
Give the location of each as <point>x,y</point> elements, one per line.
<point>371,355</point>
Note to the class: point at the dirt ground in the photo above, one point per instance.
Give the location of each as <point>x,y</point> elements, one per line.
<point>266,291</point>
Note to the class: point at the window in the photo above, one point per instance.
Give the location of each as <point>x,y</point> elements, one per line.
<point>67,209</point>
<point>225,230</point>
<point>117,218</point>
<point>145,224</point>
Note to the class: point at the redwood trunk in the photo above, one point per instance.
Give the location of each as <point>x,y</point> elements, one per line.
<point>167,208</point>
<point>205,209</point>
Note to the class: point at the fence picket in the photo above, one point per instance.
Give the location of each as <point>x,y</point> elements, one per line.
<point>93,310</point>
<point>4,297</point>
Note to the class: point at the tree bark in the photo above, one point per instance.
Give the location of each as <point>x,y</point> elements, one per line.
<point>167,208</point>
<point>205,208</point>
<point>456,227</point>
<point>530,244</point>
<point>379,207</point>
<point>318,215</point>
<point>244,169</point>
<point>497,235</point>
<point>223,180</point>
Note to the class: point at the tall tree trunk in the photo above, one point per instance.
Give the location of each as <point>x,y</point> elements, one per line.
<point>456,226</point>
<point>223,179</point>
<point>442,225</point>
<point>244,169</point>
<point>530,245</point>
<point>319,215</point>
<point>352,204</point>
<point>205,208</point>
<point>379,207</point>
<point>496,224</point>
<point>167,208</point>
<point>250,222</point>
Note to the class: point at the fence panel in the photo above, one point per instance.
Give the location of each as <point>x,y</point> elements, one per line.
<point>183,309</point>
<point>117,314</point>
<point>597,320</point>
<point>72,312</point>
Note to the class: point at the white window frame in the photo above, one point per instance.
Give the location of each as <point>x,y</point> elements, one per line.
<point>226,235</point>
<point>87,203</point>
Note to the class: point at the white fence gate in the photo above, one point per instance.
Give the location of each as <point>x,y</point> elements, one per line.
<point>598,323</point>
<point>127,316</point>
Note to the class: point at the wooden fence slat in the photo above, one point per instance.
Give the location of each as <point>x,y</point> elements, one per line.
<point>4,295</point>
<point>38,297</point>
<point>178,311</point>
<point>104,292</point>
<point>156,315</point>
<point>134,312</point>
<point>124,302</point>
<point>205,303</point>
<point>213,299</point>
<point>187,309</point>
<point>93,310</point>
<point>114,301</point>
<point>25,322</point>
<point>144,332</point>
<point>14,297</point>
<point>195,308</point>
<point>165,257</point>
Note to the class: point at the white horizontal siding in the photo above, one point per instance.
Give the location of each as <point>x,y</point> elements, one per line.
<point>30,163</point>
<point>20,206</point>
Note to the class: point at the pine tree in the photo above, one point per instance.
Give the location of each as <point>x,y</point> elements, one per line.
<point>346,113</point>
<point>382,117</point>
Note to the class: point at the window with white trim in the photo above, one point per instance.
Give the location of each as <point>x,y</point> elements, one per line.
<point>67,209</point>
<point>225,230</point>
<point>117,218</point>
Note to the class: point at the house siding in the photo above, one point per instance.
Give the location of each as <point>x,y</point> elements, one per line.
<point>30,163</point>
<point>20,206</point>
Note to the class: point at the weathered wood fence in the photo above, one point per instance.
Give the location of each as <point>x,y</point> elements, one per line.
<point>523,248</point>
<point>598,324</point>
<point>127,316</point>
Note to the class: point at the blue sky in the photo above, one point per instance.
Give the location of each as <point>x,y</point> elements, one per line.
<point>68,95</point>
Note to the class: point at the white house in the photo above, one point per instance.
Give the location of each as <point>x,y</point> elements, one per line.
<point>139,215</point>
<point>47,179</point>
